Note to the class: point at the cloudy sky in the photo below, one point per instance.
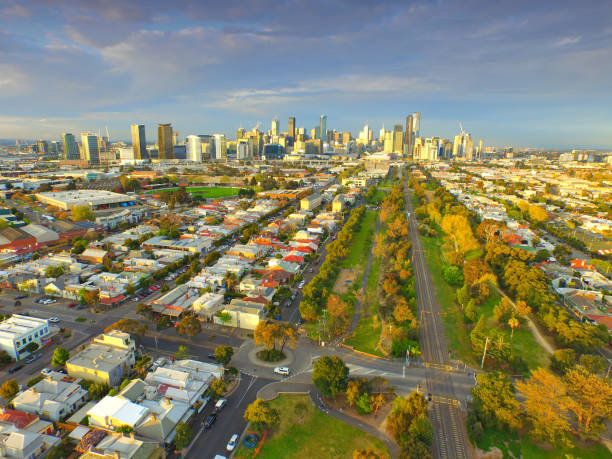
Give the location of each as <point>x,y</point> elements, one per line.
<point>522,73</point>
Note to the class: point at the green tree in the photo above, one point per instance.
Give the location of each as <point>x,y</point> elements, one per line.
<point>131,326</point>
<point>414,441</point>
<point>494,402</point>
<point>562,360</point>
<point>182,352</point>
<point>364,404</point>
<point>80,213</point>
<point>330,375</point>
<point>60,357</point>
<point>9,389</point>
<point>591,401</point>
<point>189,326</point>
<point>32,347</point>
<point>218,387</point>
<point>184,435</point>
<point>594,363</point>
<point>223,354</point>
<point>261,415</point>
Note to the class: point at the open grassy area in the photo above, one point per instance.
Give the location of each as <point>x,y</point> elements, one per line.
<point>512,447</point>
<point>367,333</point>
<point>314,436</point>
<point>362,241</point>
<point>204,191</point>
<point>452,316</point>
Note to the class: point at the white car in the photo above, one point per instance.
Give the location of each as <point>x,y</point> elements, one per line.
<point>45,372</point>
<point>301,285</point>
<point>232,443</point>
<point>54,320</point>
<point>285,371</point>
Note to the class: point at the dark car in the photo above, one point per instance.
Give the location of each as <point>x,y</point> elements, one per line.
<point>211,355</point>
<point>20,297</point>
<point>210,420</point>
<point>71,305</point>
<point>16,368</point>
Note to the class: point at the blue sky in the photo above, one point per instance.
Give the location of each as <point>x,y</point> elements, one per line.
<point>519,73</point>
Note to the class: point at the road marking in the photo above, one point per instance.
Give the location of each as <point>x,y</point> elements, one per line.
<point>247,389</point>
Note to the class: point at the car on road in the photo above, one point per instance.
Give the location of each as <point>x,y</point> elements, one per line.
<point>219,456</point>
<point>209,421</point>
<point>232,443</point>
<point>72,305</point>
<point>20,297</point>
<point>54,320</point>
<point>301,285</point>
<point>284,371</point>
<point>45,372</point>
<point>221,403</point>
<point>80,306</point>
<point>16,368</point>
<point>33,358</point>
<point>211,355</point>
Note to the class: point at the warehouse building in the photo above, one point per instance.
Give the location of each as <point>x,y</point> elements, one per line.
<point>95,199</point>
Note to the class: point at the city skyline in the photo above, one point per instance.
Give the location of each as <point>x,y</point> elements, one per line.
<point>515,73</point>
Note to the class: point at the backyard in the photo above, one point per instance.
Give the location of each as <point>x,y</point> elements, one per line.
<point>311,435</point>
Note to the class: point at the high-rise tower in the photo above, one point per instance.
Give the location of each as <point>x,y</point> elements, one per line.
<point>323,128</point>
<point>408,137</point>
<point>71,149</point>
<point>164,141</point>
<point>139,142</point>
<point>89,144</point>
<point>275,126</point>
<point>291,128</point>
<point>416,124</point>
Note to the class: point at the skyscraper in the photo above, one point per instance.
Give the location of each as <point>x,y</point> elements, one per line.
<point>71,149</point>
<point>43,147</point>
<point>164,141</point>
<point>240,133</point>
<point>323,128</point>
<point>89,144</point>
<point>275,126</point>
<point>220,147</point>
<point>194,148</point>
<point>291,128</point>
<point>416,124</point>
<point>139,142</point>
<point>398,139</point>
<point>408,137</point>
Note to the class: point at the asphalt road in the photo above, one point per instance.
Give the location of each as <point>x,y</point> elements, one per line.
<point>449,431</point>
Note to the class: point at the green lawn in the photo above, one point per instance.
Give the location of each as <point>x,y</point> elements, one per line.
<point>204,191</point>
<point>452,316</point>
<point>316,435</point>
<point>362,241</point>
<point>512,447</point>
<point>366,335</point>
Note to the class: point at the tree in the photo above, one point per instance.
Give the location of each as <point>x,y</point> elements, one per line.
<point>56,270</point>
<point>513,323</point>
<point>453,275</point>
<point>405,413</point>
<point>503,311</point>
<point>261,415</point>
<point>366,454</point>
<point>545,403</point>
<point>32,347</point>
<point>60,357</point>
<point>142,365</point>
<point>266,333</point>
<point>9,389</point>
<point>218,387</point>
<point>353,391</point>
<point>593,363</point>
<point>378,401</point>
<point>591,401</point>
<point>189,326</point>
<point>494,402</point>
<point>80,213</point>
<point>330,375</point>
<point>183,436</point>
<point>223,354</point>
<point>562,360</point>
<point>131,326</point>
<point>364,404</point>
<point>182,352</point>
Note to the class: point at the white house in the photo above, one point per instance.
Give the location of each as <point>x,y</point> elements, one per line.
<point>18,331</point>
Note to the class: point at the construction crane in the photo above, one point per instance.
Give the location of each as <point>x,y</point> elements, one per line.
<point>257,126</point>
<point>107,134</point>
<point>461,127</point>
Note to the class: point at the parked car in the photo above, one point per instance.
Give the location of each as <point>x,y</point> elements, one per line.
<point>33,358</point>
<point>80,306</point>
<point>221,403</point>
<point>210,420</point>
<point>72,305</point>
<point>16,368</point>
<point>20,297</point>
<point>45,372</point>
<point>301,285</point>
<point>54,320</point>
<point>232,443</point>
<point>284,371</point>
<point>211,355</point>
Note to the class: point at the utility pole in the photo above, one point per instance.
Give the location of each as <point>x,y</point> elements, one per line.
<point>484,354</point>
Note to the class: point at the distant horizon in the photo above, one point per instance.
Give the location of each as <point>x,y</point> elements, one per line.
<point>514,73</point>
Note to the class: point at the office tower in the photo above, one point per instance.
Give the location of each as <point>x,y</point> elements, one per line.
<point>346,137</point>
<point>291,128</point>
<point>480,149</point>
<point>139,142</point>
<point>71,150</point>
<point>458,145</point>
<point>275,126</point>
<point>416,124</point>
<point>194,148</point>
<point>54,147</point>
<point>388,142</point>
<point>398,139</point>
<point>220,147</point>
<point>323,128</point>
<point>468,147</point>
<point>314,133</point>
<point>244,148</point>
<point>164,142</point>
<point>240,133</point>
<point>89,144</point>
<point>408,137</point>
<point>43,147</point>
<point>175,138</point>
<point>381,134</point>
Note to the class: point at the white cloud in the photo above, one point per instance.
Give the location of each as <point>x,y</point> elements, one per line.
<point>568,41</point>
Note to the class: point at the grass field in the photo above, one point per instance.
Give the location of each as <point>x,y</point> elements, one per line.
<point>204,191</point>
<point>314,436</point>
<point>367,333</point>
<point>512,446</point>
<point>362,241</point>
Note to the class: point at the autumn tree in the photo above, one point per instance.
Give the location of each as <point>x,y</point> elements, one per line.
<point>189,326</point>
<point>353,392</point>
<point>502,311</point>
<point>591,401</point>
<point>408,424</point>
<point>261,415</point>
<point>546,403</point>
<point>131,326</point>
<point>218,386</point>
<point>458,229</point>
<point>223,354</point>
<point>494,402</point>
<point>80,213</point>
<point>339,312</point>
<point>9,388</point>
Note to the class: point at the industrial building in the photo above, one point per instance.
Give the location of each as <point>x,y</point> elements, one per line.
<point>95,199</point>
